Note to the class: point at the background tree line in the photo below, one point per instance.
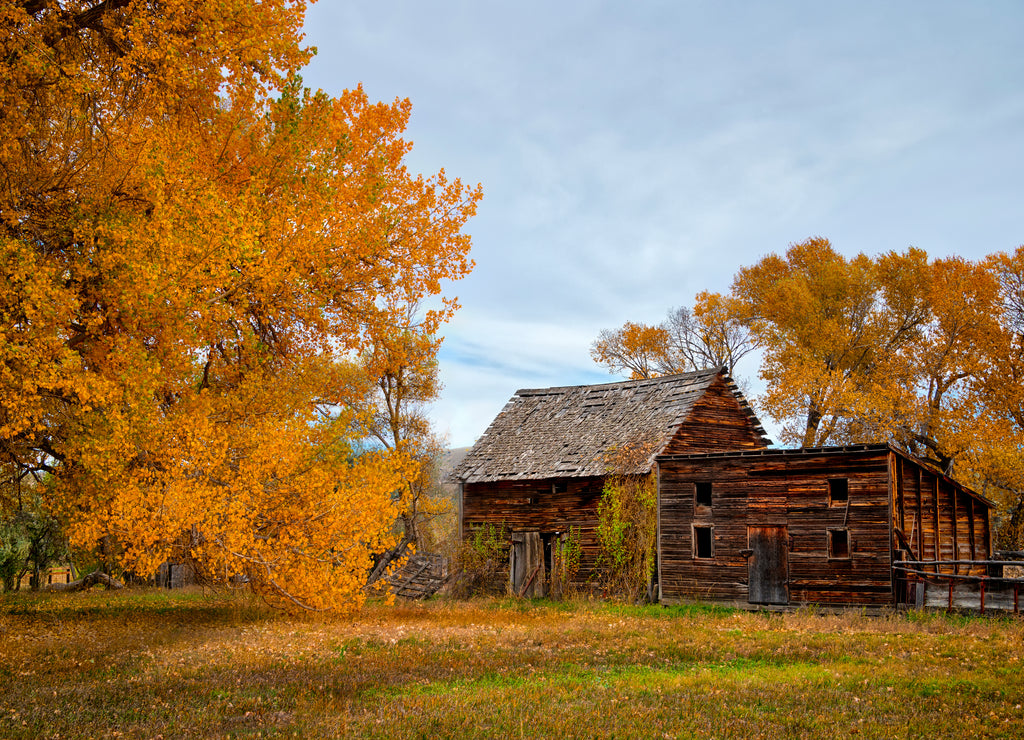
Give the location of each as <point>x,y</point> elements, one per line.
<point>927,354</point>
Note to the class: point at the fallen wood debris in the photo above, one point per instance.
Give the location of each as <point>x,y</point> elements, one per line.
<point>85,582</point>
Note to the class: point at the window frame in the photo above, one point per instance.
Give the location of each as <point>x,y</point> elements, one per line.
<point>838,495</point>
<point>831,535</point>
<point>701,487</point>
<point>710,528</point>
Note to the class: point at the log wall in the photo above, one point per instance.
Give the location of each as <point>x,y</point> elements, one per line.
<point>886,493</point>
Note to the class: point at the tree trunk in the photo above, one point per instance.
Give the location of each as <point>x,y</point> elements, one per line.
<point>389,557</point>
<point>813,420</point>
<point>86,582</point>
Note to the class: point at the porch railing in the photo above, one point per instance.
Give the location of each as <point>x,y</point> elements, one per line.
<point>959,584</point>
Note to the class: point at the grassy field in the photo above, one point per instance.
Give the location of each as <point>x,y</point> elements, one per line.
<point>184,664</point>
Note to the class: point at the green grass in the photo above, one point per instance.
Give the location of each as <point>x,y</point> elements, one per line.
<point>188,664</point>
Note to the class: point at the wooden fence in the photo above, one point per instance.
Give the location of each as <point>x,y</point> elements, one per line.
<point>421,576</point>
<point>970,585</point>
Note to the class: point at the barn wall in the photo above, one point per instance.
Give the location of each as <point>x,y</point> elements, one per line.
<point>934,518</point>
<point>532,506</point>
<point>717,422</point>
<point>790,491</point>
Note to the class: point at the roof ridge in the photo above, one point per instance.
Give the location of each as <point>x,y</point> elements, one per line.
<point>567,430</point>
<point>638,382</point>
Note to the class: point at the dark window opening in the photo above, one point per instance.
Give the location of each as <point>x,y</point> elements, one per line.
<point>839,544</point>
<point>560,486</point>
<point>838,491</point>
<point>703,542</point>
<point>702,493</point>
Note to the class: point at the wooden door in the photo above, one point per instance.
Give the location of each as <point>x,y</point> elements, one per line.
<point>526,564</point>
<point>768,567</point>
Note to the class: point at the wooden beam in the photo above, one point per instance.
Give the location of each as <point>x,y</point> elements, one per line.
<point>956,538</point>
<point>657,526</point>
<point>937,537</point>
<point>890,464</point>
<point>970,521</point>
<point>919,518</point>
<point>900,502</point>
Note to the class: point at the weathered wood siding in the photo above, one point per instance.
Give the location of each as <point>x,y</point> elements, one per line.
<point>783,491</point>
<point>535,506</point>
<point>717,422</point>
<point>887,495</point>
<point>935,518</point>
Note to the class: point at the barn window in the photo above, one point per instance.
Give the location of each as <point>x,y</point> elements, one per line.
<point>838,491</point>
<point>703,542</point>
<point>559,486</point>
<point>839,544</point>
<point>702,493</point>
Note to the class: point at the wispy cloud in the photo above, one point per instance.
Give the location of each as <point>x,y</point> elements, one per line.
<point>634,154</point>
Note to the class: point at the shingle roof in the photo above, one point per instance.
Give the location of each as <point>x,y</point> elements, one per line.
<point>568,431</point>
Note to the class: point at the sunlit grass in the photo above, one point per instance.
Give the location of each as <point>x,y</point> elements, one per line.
<point>152,663</point>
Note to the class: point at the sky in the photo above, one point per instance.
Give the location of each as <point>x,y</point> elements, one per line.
<point>634,154</point>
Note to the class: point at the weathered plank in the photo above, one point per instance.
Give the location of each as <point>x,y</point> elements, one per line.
<point>884,493</point>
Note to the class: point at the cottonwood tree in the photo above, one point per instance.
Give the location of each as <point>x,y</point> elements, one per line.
<point>637,349</point>
<point>403,378</point>
<point>994,442</point>
<point>710,335</point>
<point>816,317</point>
<point>869,348</point>
<point>193,247</point>
<point>925,354</point>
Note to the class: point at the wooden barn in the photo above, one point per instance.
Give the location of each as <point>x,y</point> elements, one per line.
<point>540,467</point>
<point>823,526</point>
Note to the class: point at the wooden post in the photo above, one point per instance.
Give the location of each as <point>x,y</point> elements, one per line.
<point>937,537</point>
<point>970,524</point>
<point>901,513</point>
<point>920,521</point>
<point>956,537</point>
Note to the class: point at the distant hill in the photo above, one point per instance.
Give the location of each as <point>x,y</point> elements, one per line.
<point>449,460</point>
<point>452,458</point>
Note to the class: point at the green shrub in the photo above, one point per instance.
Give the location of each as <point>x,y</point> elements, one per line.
<point>483,561</point>
<point>566,566</point>
<point>627,535</point>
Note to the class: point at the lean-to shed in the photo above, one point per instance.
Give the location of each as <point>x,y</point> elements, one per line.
<point>819,526</point>
<point>540,467</point>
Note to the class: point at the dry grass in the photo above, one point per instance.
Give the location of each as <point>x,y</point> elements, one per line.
<point>160,664</point>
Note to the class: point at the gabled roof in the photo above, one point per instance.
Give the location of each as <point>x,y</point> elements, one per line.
<point>569,431</point>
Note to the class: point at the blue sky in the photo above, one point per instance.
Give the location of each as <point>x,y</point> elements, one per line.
<point>633,154</point>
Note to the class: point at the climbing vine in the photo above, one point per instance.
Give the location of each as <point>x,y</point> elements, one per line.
<point>627,528</point>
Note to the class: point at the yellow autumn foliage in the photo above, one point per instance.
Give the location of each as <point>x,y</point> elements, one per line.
<point>195,251</point>
<point>925,353</point>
